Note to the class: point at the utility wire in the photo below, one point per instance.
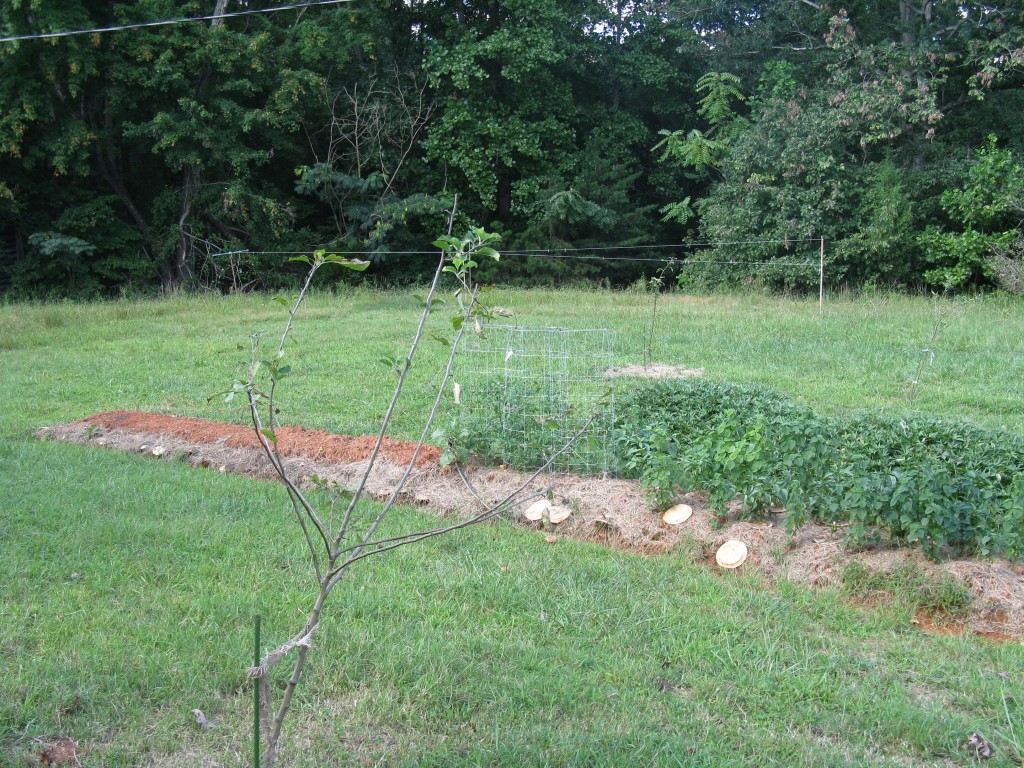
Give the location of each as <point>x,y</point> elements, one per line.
<point>563,253</point>
<point>542,254</point>
<point>663,246</point>
<point>680,262</point>
<point>167,22</point>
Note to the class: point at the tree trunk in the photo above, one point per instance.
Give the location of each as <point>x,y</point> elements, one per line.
<point>909,24</point>
<point>178,269</point>
<point>908,15</point>
<point>222,8</point>
<point>504,198</point>
<point>108,164</point>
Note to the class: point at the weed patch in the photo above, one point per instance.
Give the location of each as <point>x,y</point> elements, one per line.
<point>908,586</point>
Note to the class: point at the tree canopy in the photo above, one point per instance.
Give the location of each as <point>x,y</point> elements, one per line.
<point>205,152</point>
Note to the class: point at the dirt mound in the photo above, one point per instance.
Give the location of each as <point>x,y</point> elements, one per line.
<point>292,441</point>
<point>657,371</point>
<point>610,511</point>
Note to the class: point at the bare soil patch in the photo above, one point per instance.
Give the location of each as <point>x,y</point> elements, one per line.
<point>611,511</point>
<point>292,441</point>
<point>657,371</point>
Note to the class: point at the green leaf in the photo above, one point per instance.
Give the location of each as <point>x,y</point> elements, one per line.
<point>268,433</point>
<point>227,396</point>
<point>356,265</point>
<point>489,253</point>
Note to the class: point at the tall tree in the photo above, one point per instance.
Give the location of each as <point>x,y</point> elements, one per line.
<point>188,132</point>
<point>502,70</point>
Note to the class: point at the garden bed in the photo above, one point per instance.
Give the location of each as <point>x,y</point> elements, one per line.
<point>612,511</point>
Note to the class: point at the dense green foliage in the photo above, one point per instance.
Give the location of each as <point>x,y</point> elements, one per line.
<point>946,484</point>
<point>195,154</point>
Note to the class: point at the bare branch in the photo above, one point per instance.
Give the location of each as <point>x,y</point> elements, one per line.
<point>430,420</point>
<point>409,538</point>
<point>386,422</point>
<point>373,129</point>
<point>468,484</point>
<point>300,505</point>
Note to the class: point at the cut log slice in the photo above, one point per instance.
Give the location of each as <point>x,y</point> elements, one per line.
<point>732,554</point>
<point>536,511</point>
<point>678,514</point>
<point>559,514</point>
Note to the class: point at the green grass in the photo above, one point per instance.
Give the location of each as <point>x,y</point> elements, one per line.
<point>911,588</point>
<point>131,583</point>
<point>70,360</point>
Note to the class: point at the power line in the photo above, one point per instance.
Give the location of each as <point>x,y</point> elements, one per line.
<point>680,262</point>
<point>566,253</point>
<point>545,254</point>
<point>167,22</point>
<point>663,246</point>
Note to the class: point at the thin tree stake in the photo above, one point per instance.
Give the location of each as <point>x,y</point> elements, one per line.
<point>821,278</point>
<point>256,702</point>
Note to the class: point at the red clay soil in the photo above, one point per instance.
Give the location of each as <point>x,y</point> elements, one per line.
<point>291,441</point>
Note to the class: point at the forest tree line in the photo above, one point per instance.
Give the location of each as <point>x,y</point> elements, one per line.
<point>205,153</point>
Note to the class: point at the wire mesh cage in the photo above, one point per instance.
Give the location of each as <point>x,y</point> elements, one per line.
<point>523,394</point>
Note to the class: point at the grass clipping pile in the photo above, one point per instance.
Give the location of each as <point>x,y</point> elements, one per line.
<point>610,511</point>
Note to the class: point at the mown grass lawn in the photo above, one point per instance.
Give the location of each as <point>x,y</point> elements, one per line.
<point>128,585</point>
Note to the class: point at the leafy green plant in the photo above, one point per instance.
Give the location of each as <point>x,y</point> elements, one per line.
<point>704,151</point>
<point>948,486</point>
<point>523,423</point>
<point>656,285</point>
<point>989,209</point>
<point>485,431</point>
<point>60,257</point>
<point>728,462</point>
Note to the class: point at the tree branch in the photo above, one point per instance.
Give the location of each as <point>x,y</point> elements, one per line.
<point>401,378</point>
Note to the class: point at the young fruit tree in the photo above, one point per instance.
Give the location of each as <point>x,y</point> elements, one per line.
<point>341,531</point>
